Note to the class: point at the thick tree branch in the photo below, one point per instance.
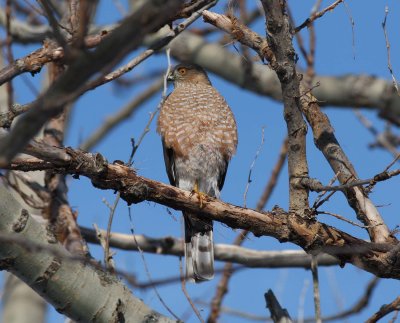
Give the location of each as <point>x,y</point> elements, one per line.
<point>344,91</point>
<point>57,209</point>
<point>324,136</point>
<point>222,287</point>
<point>57,279</point>
<point>222,252</point>
<point>379,259</point>
<point>326,142</point>
<point>50,52</point>
<point>129,35</point>
<point>360,91</point>
<point>282,59</point>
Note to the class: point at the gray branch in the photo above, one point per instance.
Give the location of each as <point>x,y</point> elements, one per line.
<point>282,60</point>
<point>20,303</point>
<point>309,234</point>
<point>222,252</point>
<point>68,285</point>
<point>360,91</point>
<point>278,314</point>
<point>24,32</point>
<point>125,38</point>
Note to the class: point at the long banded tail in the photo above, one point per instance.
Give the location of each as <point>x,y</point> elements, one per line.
<point>199,249</point>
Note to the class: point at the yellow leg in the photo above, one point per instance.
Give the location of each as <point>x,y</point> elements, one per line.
<point>201,195</point>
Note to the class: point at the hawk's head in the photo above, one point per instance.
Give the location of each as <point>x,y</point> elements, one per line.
<point>188,73</point>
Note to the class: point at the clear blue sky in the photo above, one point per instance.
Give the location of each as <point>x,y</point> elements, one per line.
<point>340,288</point>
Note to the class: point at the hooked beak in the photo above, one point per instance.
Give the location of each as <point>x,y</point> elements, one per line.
<point>170,77</point>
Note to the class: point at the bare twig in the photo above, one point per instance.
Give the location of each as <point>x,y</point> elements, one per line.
<point>108,260</point>
<point>134,149</point>
<point>183,285</point>
<point>316,186</point>
<point>318,202</point>
<point>361,304</point>
<point>10,56</point>
<point>114,120</point>
<point>47,8</point>
<point>344,219</point>
<point>67,87</point>
<point>176,279</point>
<point>352,23</point>
<point>144,133</point>
<point>317,15</point>
<point>389,64</point>
<point>381,138</point>
<point>385,310</point>
<point>249,180</point>
<point>323,137</point>
<point>240,32</point>
<point>317,301</point>
<point>302,300</point>
<point>321,126</point>
<point>392,163</point>
<point>237,313</point>
<point>276,171</point>
<point>222,287</point>
<point>309,56</point>
<point>148,271</point>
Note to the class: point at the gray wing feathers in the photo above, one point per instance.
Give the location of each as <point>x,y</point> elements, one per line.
<point>169,161</point>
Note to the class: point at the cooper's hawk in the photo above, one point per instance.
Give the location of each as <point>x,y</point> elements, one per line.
<point>199,137</point>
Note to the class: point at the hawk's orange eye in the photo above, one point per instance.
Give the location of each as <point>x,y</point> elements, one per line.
<point>182,71</point>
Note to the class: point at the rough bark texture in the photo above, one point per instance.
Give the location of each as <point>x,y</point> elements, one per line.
<point>20,304</point>
<point>366,91</point>
<point>124,39</point>
<point>57,278</point>
<point>379,259</point>
<point>326,142</point>
<point>323,132</point>
<point>280,42</point>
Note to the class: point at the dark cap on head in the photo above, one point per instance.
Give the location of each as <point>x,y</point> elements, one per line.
<point>188,73</point>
